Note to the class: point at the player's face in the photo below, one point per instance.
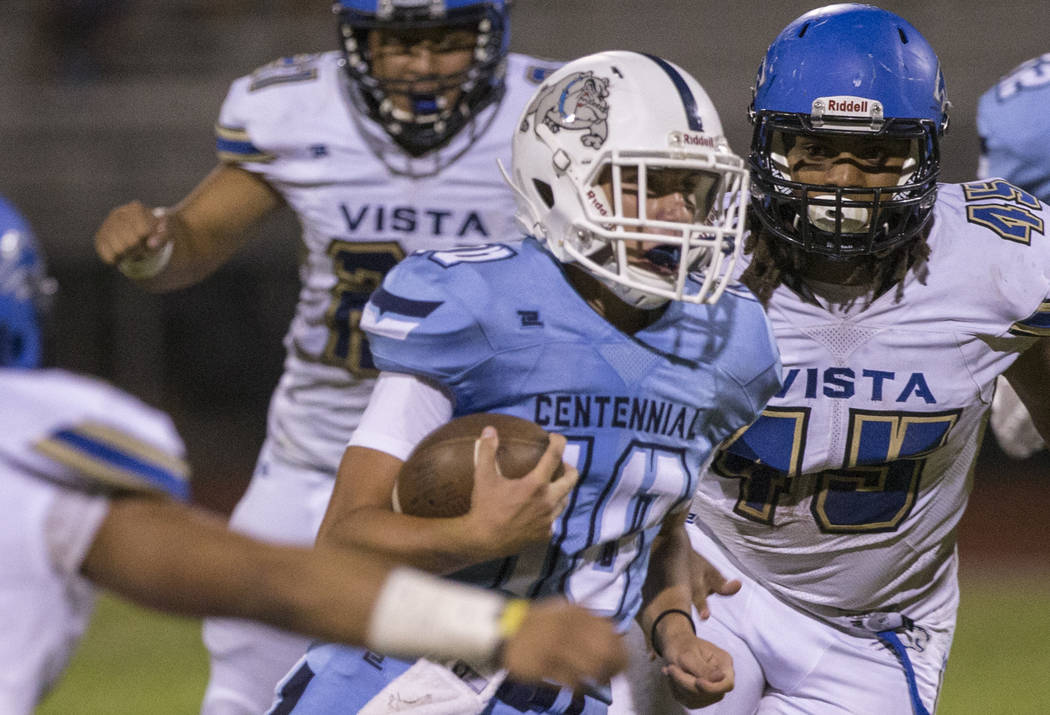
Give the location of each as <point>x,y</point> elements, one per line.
<point>423,57</point>
<point>672,195</point>
<point>847,161</point>
<point>676,195</point>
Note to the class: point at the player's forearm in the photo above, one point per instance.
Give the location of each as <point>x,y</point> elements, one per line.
<point>352,597</point>
<point>174,558</point>
<point>206,228</point>
<point>327,594</point>
<point>195,253</point>
<point>667,592</point>
<point>184,259</point>
<point>324,593</point>
<point>1028,377</point>
<point>436,545</point>
<point>166,555</point>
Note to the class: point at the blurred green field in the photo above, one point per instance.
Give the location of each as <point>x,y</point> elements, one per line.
<point>134,662</point>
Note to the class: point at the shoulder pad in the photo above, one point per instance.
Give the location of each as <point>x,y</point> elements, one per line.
<point>429,317</point>
<point>115,460</point>
<point>296,68</point>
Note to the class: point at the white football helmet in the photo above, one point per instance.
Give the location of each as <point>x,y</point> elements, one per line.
<point>624,118</point>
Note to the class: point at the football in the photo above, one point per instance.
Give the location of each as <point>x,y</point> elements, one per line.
<point>438,477</point>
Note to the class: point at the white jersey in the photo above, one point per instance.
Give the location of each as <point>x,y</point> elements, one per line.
<point>84,433</point>
<point>363,205</point>
<point>843,498</point>
<point>65,443</point>
<point>1013,126</point>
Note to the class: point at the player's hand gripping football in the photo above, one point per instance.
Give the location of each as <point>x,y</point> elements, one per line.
<point>563,643</point>
<point>508,514</point>
<point>131,232</point>
<point>699,672</point>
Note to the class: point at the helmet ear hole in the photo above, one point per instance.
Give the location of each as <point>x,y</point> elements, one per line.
<point>545,191</point>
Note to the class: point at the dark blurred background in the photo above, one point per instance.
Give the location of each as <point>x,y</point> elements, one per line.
<point>103,101</point>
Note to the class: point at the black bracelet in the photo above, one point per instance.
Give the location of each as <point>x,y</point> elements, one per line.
<point>669,611</point>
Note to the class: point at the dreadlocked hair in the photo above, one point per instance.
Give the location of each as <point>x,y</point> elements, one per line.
<point>774,262</point>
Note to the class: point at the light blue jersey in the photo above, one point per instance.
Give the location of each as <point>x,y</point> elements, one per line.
<point>502,330</point>
<point>1014,126</point>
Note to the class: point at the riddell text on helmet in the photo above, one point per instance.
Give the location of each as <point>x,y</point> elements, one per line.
<point>847,105</point>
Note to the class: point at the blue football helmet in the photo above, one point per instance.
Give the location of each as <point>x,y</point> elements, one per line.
<point>432,120</point>
<point>857,71</point>
<point>25,291</point>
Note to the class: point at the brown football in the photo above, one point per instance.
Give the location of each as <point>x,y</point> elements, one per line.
<point>438,477</point>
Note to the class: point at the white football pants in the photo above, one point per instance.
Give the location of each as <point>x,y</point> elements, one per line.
<point>788,662</point>
<point>283,504</point>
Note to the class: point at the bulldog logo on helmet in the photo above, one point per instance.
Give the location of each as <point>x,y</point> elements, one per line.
<point>576,103</point>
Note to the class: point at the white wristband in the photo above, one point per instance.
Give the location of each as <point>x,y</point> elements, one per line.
<point>149,265</point>
<point>419,614</point>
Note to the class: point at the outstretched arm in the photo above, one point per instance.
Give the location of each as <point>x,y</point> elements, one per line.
<point>177,558</point>
<point>172,557</point>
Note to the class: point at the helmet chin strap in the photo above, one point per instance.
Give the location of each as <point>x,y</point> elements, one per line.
<point>634,297</point>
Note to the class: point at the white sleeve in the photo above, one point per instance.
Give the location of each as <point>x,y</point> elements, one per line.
<point>402,410</point>
<point>1011,424</point>
<point>72,523</point>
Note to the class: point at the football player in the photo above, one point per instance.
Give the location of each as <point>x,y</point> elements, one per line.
<point>92,482</point>
<point>602,326</point>
<point>896,302</point>
<point>383,148</point>
<point>1014,131</point>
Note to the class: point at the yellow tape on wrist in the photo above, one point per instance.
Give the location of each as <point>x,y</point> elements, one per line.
<point>512,617</point>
